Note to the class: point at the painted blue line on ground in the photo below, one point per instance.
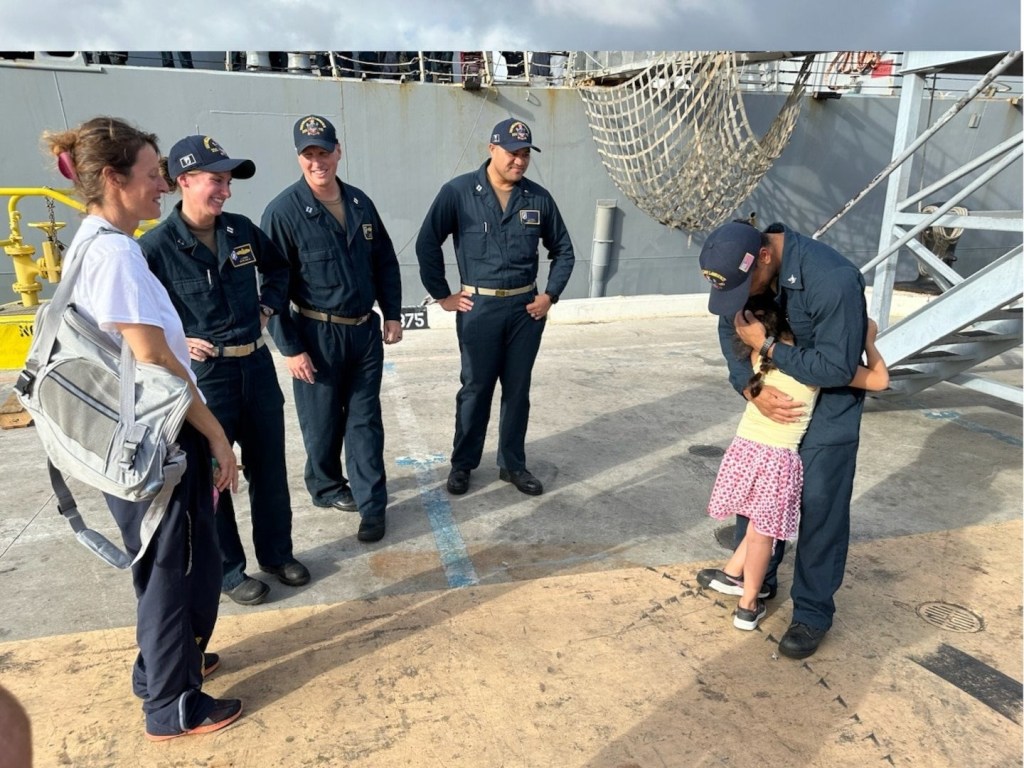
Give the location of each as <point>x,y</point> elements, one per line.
<point>411,461</point>
<point>458,568</point>
<point>974,427</point>
<point>451,548</point>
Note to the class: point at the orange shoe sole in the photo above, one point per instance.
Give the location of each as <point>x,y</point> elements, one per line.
<point>199,729</point>
<point>209,669</point>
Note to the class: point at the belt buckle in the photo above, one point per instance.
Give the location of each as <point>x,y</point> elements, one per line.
<point>502,292</point>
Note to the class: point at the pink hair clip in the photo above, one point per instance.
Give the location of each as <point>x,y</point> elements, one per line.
<point>66,166</point>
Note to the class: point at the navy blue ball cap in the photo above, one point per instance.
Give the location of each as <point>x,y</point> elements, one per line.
<point>512,135</point>
<point>727,261</point>
<point>314,131</point>
<point>201,153</point>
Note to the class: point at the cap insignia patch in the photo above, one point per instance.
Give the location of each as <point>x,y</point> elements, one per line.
<point>519,131</point>
<point>213,146</point>
<point>312,126</point>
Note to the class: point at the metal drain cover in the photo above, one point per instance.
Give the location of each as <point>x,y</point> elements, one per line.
<point>955,618</point>
<point>708,451</point>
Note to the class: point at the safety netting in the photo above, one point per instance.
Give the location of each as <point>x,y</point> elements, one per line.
<point>676,140</point>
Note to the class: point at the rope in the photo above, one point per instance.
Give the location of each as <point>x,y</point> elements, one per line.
<point>941,240</point>
<point>676,140</point>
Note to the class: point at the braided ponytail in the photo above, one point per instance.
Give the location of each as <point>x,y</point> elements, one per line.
<point>756,382</point>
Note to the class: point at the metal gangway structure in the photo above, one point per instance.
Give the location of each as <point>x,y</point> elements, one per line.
<point>974,318</point>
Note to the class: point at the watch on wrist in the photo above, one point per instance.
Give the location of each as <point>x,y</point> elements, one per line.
<point>766,346</point>
<point>267,311</point>
<point>552,296</point>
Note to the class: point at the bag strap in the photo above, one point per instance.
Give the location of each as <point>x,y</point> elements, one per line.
<point>99,544</point>
<point>47,334</point>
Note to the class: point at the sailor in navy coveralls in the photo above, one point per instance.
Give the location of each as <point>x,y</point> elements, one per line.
<point>208,259</point>
<point>341,261</point>
<point>822,294</point>
<point>497,219</point>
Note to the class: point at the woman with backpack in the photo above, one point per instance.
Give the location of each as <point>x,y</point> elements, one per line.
<point>116,173</point>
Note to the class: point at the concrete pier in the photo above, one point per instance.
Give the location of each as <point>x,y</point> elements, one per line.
<point>498,629</point>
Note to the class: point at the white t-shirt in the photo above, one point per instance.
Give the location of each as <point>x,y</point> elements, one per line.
<point>115,285</point>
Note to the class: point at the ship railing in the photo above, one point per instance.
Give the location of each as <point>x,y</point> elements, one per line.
<point>835,73</point>
<point>459,67</point>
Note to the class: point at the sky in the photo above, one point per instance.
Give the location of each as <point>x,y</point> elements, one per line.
<point>748,25</point>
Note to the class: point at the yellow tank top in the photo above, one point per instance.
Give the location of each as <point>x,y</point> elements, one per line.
<point>760,429</point>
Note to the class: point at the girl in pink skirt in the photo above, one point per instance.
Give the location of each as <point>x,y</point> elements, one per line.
<point>761,476</point>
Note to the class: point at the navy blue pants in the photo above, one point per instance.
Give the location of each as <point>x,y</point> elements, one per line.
<point>244,395</point>
<point>177,584</point>
<point>342,406</point>
<point>824,533</point>
<point>498,341</point>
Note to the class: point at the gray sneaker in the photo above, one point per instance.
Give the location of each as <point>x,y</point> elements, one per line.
<point>746,619</point>
<point>720,581</point>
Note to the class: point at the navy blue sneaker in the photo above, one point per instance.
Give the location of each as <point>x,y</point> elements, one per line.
<point>210,663</point>
<point>223,714</point>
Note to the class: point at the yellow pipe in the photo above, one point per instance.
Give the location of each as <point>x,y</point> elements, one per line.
<point>27,271</point>
<point>60,195</point>
<point>26,274</point>
<point>50,264</point>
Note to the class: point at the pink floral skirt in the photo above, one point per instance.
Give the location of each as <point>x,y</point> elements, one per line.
<point>761,483</point>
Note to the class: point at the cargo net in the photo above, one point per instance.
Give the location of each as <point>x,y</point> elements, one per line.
<point>675,138</point>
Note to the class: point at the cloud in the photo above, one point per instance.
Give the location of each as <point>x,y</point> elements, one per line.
<point>536,24</point>
<point>637,14</point>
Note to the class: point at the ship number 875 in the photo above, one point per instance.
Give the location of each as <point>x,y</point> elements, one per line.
<point>414,318</point>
